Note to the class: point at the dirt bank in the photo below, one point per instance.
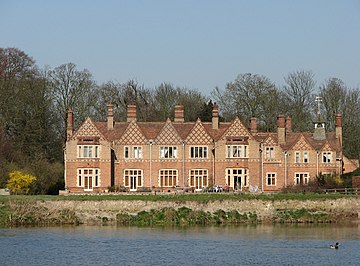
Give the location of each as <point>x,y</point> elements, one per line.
<point>106,211</point>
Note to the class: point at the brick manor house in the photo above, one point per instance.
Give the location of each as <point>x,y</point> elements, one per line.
<point>164,155</point>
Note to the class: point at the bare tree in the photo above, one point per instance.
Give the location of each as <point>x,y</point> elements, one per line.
<point>299,89</point>
<point>333,93</point>
<point>71,88</point>
<point>250,95</point>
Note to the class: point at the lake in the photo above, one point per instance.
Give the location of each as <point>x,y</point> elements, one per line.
<point>230,245</point>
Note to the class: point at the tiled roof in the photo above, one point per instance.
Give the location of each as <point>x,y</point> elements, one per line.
<point>152,129</point>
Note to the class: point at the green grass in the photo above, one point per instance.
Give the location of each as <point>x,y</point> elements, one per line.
<point>178,197</point>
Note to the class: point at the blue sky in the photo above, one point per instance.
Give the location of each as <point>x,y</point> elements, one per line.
<point>190,43</point>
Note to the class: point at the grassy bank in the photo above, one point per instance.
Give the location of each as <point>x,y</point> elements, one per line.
<point>201,197</point>
<point>181,209</point>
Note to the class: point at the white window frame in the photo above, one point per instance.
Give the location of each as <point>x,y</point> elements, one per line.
<point>305,157</point>
<point>198,152</point>
<point>301,175</point>
<point>297,157</point>
<point>236,151</point>
<point>88,151</point>
<point>198,178</point>
<point>168,152</point>
<point>168,177</point>
<point>269,153</point>
<point>84,173</point>
<point>133,173</point>
<point>327,157</point>
<point>126,152</point>
<point>272,177</point>
<point>241,173</point>
<point>137,152</point>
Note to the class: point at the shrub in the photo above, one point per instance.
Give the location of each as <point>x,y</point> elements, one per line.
<point>20,183</point>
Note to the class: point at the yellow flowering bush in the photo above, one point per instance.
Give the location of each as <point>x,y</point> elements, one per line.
<point>20,183</point>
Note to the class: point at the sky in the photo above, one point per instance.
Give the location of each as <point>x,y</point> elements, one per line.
<point>197,44</point>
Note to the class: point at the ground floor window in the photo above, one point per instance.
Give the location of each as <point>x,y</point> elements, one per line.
<point>301,178</point>
<point>168,177</point>
<point>271,179</point>
<point>237,178</point>
<point>133,178</point>
<point>88,178</point>
<point>198,178</point>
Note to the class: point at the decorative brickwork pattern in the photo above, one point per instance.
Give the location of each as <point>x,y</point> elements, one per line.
<point>88,129</point>
<point>168,135</point>
<point>198,135</point>
<point>270,141</point>
<point>302,145</point>
<point>237,129</point>
<point>327,147</point>
<point>132,135</point>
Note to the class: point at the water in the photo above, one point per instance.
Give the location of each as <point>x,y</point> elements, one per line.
<point>241,245</point>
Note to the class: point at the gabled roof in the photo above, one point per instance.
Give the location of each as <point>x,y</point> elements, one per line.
<point>88,129</point>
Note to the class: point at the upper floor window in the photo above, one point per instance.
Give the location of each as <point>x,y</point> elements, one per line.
<point>297,157</point>
<point>198,152</point>
<point>168,152</point>
<point>137,152</point>
<point>134,152</point>
<point>301,159</point>
<point>326,157</point>
<point>88,151</point>
<point>237,151</point>
<point>305,157</point>
<point>270,153</point>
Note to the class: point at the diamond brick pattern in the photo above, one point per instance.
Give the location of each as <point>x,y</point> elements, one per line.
<point>302,145</point>
<point>88,129</point>
<point>132,135</point>
<point>326,147</point>
<point>237,129</point>
<point>270,141</point>
<point>168,135</point>
<point>198,135</point>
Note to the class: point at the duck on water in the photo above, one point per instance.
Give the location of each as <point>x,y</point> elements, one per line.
<point>336,246</point>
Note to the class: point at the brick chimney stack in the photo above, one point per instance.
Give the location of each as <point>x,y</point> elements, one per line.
<point>131,112</point>
<point>215,116</point>
<point>281,128</point>
<point>288,124</point>
<point>179,113</point>
<point>110,117</point>
<point>253,125</point>
<point>70,124</point>
<point>338,127</point>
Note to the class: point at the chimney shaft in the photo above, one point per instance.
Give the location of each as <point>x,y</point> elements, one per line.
<point>70,124</point>
<point>338,127</point>
<point>179,113</point>
<point>288,124</point>
<point>131,112</point>
<point>215,116</point>
<point>253,125</point>
<point>110,117</point>
<point>281,129</point>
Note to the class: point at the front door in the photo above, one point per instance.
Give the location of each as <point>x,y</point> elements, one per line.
<point>88,185</point>
<point>133,185</point>
<point>237,178</point>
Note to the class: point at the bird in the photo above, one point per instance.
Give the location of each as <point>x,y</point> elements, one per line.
<point>336,246</point>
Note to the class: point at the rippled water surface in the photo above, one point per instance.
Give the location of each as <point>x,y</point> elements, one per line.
<point>240,245</point>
